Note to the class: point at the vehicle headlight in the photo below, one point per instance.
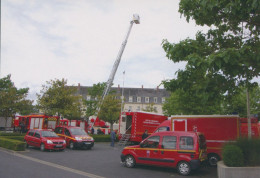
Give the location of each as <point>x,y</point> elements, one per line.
<point>49,141</point>
<point>64,141</point>
<point>91,138</point>
<point>78,138</point>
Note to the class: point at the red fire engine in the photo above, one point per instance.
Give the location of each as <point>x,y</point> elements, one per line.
<point>36,121</point>
<point>133,124</point>
<point>218,130</point>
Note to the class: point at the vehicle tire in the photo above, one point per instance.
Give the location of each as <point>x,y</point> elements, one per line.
<point>213,159</point>
<point>42,147</point>
<point>129,161</point>
<point>184,168</point>
<point>71,146</point>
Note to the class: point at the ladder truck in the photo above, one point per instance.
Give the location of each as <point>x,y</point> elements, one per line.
<point>136,20</point>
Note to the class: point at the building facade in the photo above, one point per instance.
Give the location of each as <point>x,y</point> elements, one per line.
<point>135,99</point>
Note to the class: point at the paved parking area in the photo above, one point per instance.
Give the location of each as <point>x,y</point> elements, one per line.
<point>101,161</point>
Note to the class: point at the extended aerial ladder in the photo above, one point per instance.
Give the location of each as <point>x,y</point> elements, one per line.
<point>136,20</point>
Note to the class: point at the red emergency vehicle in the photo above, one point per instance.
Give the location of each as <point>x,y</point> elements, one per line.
<point>134,124</point>
<point>255,128</point>
<point>37,121</point>
<point>183,150</point>
<point>218,130</point>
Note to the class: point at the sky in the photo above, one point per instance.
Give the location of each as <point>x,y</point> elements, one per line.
<point>79,40</point>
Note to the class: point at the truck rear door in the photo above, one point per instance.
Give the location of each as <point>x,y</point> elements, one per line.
<point>179,124</point>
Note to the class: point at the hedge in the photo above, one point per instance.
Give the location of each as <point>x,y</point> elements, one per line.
<point>233,156</point>
<point>250,149</point>
<point>12,144</point>
<point>12,134</point>
<point>102,138</point>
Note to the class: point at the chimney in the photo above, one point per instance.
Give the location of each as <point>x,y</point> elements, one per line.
<point>78,86</point>
<point>142,86</point>
<point>118,86</point>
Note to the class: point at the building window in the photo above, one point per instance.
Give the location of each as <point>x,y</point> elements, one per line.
<point>163,100</point>
<point>155,99</point>
<point>138,99</point>
<point>130,99</point>
<point>88,97</point>
<point>147,99</point>
<point>138,108</point>
<point>129,108</point>
<point>155,109</point>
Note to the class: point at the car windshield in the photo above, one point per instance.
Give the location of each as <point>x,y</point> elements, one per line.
<point>76,131</point>
<point>49,134</point>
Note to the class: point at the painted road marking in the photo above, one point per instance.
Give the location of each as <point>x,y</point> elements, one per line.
<point>54,165</point>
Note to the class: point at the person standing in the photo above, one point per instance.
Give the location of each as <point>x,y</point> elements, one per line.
<point>145,135</point>
<point>113,138</point>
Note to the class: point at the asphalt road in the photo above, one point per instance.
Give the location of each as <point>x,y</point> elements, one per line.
<point>101,161</point>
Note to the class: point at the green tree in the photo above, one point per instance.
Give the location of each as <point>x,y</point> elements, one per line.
<point>95,93</point>
<point>13,100</point>
<point>110,109</point>
<point>57,98</point>
<point>150,108</point>
<point>237,102</point>
<point>224,58</point>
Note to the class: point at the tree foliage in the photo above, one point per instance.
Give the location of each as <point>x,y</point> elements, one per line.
<point>150,108</point>
<point>95,93</point>
<point>13,100</point>
<point>110,109</point>
<point>57,98</point>
<point>221,60</point>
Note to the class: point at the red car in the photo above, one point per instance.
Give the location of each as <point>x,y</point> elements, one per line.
<point>182,150</point>
<point>45,139</point>
<point>75,137</point>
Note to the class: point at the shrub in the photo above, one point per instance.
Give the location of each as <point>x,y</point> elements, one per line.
<point>232,156</point>
<point>251,151</point>
<point>101,138</point>
<point>11,144</point>
<point>12,134</point>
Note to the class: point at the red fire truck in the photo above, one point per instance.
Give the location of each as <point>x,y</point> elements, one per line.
<point>133,124</point>
<point>255,128</point>
<point>218,130</point>
<point>36,121</point>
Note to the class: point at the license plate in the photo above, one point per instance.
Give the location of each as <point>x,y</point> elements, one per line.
<point>87,143</point>
<point>59,146</point>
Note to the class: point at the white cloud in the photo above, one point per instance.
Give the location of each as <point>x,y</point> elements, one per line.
<point>79,41</point>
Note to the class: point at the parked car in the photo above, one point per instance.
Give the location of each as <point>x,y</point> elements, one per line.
<point>182,150</point>
<point>75,137</point>
<point>45,139</point>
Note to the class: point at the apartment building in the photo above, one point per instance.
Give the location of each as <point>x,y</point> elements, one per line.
<point>135,99</point>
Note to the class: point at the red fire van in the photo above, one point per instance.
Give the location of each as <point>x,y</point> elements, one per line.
<point>134,124</point>
<point>75,137</point>
<point>182,150</point>
<point>218,130</point>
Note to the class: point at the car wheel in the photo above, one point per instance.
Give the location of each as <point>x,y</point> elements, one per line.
<point>71,145</point>
<point>213,159</point>
<point>184,168</point>
<point>42,147</point>
<point>129,161</point>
